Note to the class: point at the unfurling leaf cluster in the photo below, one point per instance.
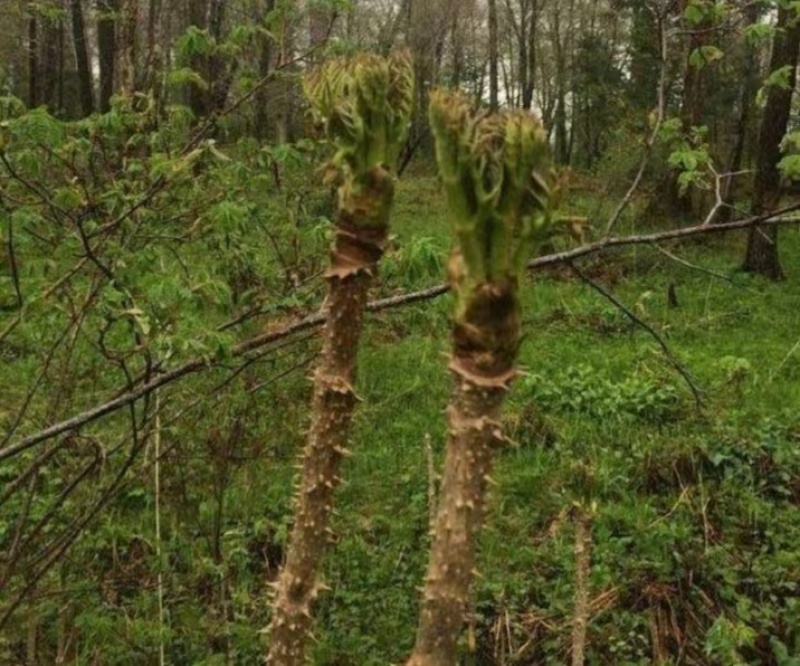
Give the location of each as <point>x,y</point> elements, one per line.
<point>364,103</point>
<point>497,173</point>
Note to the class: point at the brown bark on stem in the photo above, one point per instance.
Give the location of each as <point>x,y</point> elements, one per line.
<point>474,431</point>
<point>362,230</point>
<point>485,344</point>
<point>125,47</point>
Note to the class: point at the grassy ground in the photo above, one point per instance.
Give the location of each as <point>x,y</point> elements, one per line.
<point>695,527</point>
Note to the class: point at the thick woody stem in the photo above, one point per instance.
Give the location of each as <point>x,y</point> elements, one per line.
<point>474,432</point>
<point>362,229</point>
<point>482,367</point>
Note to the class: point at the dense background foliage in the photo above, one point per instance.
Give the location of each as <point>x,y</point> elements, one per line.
<point>164,220</point>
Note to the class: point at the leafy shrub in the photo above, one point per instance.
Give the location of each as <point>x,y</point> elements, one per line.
<point>583,390</point>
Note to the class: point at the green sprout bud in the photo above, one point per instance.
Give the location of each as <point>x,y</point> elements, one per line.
<point>364,103</point>
<point>496,171</point>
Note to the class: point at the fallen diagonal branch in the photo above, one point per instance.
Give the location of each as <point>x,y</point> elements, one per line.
<point>775,218</point>
<point>315,320</point>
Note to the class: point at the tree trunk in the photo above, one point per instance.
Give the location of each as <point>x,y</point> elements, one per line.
<point>220,76</point>
<point>61,82</point>
<point>153,58</point>
<point>82,58</point>
<point>285,92</point>
<point>762,242</point>
<point>691,112</point>
<point>209,15</point>
<point>427,31</point>
<point>106,45</point>
<point>320,22</point>
<point>421,25</point>
<point>745,112</point>
<point>33,61</point>
<point>457,39</point>
<point>561,146</point>
<point>265,57</point>
<point>126,47</point>
<point>494,56</point>
<point>50,64</point>
<point>645,57</point>
<point>692,104</point>
<point>528,56</point>
<point>198,98</point>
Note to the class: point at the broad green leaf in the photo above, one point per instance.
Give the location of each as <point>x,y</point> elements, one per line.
<point>705,55</point>
<point>695,12</point>
<point>186,76</point>
<point>195,42</point>
<point>758,33</point>
<point>780,78</point>
<point>790,167</point>
<point>69,198</point>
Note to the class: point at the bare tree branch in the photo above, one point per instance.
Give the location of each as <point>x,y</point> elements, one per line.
<point>59,548</point>
<point>774,218</point>
<point>721,185</point>
<point>643,324</point>
<point>701,269</point>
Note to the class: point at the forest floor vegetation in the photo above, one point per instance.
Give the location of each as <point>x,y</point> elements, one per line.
<point>695,524</point>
